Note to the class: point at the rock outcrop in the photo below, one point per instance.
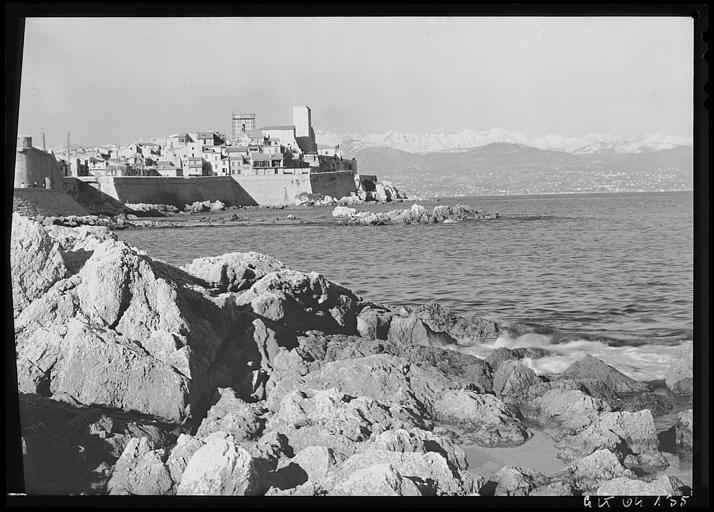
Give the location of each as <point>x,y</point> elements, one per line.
<point>513,378</point>
<point>417,214</point>
<point>591,367</point>
<point>630,435</point>
<point>233,272</point>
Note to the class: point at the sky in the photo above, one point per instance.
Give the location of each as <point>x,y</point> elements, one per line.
<point>116,80</point>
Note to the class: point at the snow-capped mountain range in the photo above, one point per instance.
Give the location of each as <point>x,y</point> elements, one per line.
<point>449,141</point>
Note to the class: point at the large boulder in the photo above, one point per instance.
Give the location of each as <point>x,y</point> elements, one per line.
<point>301,302</point>
<point>513,378</point>
<point>95,366</point>
<point>517,481</point>
<point>590,367</point>
<point>420,441</point>
<point>373,321</point>
<point>316,462</point>
<point>220,467</point>
<point>140,471</point>
<point>679,375</point>
<point>36,262</point>
<point>588,473</point>
<point>466,331</point>
<point>484,419</point>
<point>377,480</point>
<point>232,415</point>
<point>411,329</point>
<point>235,271</point>
<point>564,410</point>
<point>630,435</point>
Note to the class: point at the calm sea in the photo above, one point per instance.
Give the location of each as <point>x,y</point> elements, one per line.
<point>605,274</point>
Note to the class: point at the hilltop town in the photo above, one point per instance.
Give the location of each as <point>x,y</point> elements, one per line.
<point>250,150</point>
<point>270,166</point>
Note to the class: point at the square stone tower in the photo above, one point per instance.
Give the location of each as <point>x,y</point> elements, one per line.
<point>304,134</point>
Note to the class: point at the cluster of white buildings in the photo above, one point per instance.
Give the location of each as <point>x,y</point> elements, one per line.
<point>282,149</point>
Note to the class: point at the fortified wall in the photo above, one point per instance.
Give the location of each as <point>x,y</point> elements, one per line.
<point>283,188</point>
<point>237,190</point>
<point>170,190</point>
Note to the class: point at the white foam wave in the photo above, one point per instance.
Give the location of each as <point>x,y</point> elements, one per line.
<point>643,363</point>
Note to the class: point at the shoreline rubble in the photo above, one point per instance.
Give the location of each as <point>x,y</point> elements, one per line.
<point>237,375</point>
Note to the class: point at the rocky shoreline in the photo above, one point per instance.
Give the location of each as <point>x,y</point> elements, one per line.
<point>217,214</point>
<point>237,375</point>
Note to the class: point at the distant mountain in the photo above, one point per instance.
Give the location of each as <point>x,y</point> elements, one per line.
<point>440,141</point>
<point>507,168</point>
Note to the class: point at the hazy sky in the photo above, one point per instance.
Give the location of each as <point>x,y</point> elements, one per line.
<point>119,79</point>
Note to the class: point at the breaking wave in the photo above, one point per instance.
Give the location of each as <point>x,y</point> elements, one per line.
<point>642,362</point>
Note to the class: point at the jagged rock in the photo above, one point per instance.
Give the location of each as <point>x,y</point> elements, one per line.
<point>96,366</point>
<point>315,349</point>
<point>35,261</point>
<point>631,435</point>
<point>180,454</point>
<point>666,485</point>
<point>430,471</point>
<point>302,302</point>
<point>683,431</point>
<point>315,461</point>
<point>140,470</point>
<point>554,489</point>
<point>271,447</point>
<point>392,379</point>
<point>679,375</point>
<point>484,418</point>
<point>219,467</point>
<point>501,354</point>
<point>517,481</point>
<point>377,480</point>
<point>513,378</point>
<point>334,420</point>
<point>590,367</point>
<point>234,416</point>
<point>569,409</point>
<point>234,271</point>
<point>373,321</point>
<point>589,472</point>
<point>594,388</point>
<point>466,331</point>
<point>412,330</point>
<point>420,441</point>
